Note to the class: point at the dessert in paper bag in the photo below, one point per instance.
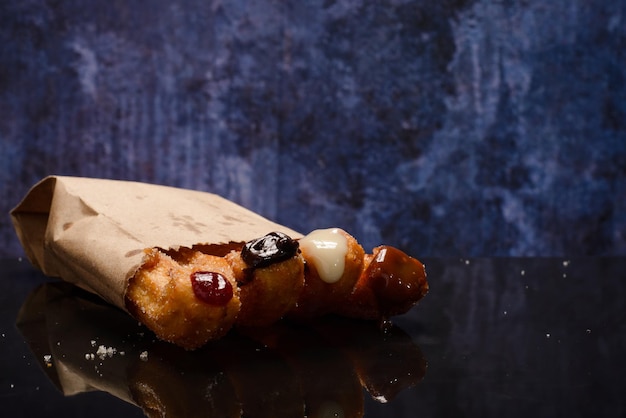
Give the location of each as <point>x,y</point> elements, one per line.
<point>191,265</point>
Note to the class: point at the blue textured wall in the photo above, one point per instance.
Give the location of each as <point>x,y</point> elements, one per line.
<point>445,128</point>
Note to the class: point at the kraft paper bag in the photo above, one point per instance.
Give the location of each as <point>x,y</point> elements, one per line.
<point>93,232</point>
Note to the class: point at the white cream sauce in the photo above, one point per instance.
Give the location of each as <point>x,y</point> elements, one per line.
<point>326,249</point>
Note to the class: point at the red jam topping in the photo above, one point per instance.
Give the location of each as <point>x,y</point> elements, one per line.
<point>398,280</point>
<point>211,287</point>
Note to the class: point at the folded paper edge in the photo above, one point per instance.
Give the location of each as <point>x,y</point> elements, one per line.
<point>29,213</point>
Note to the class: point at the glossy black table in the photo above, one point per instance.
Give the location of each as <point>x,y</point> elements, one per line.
<point>536,337</point>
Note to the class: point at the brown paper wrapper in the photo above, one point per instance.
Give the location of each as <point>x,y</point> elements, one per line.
<point>93,232</point>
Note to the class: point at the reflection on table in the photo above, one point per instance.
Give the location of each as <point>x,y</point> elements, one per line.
<point>314,369</point>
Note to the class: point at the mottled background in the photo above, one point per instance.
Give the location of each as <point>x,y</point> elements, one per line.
<point>445,128</point>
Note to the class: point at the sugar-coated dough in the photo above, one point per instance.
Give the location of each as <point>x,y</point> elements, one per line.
<point>160,295</point>
<point>267,293</point>
<point>373,286</point>
<point>320,297</point>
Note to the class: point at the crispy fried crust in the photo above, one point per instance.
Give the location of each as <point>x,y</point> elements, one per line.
<point>267,293</point>
<point>320,298</point>
<point>373,286</point>
<point>160,295</point>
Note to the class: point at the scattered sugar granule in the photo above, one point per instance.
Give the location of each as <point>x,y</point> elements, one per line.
<point>143,356</point>
<point>47,359</point>
<point>101,352</point>
<point>104,352</point>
